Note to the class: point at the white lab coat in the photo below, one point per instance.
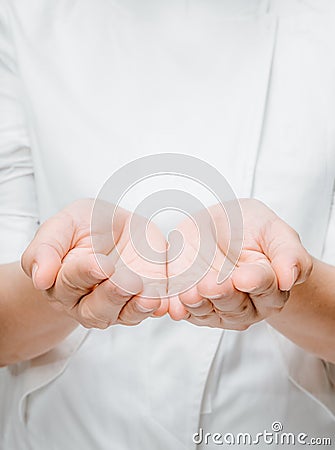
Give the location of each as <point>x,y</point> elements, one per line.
<point>87,86</point>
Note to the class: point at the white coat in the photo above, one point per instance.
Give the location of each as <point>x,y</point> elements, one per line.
<point>86,86</point>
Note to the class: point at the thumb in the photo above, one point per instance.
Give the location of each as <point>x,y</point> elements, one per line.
<point>289,259</point>
<point>42,259</point>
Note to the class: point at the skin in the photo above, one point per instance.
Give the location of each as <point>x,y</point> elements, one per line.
<point>29,325</point>
<point>269,262</point>
<point>275,280</point>
<point>87,283</point>
<point>66,283</point>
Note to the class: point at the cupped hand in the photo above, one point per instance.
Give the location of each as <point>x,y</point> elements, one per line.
<point>257,280</point>
<point>95,274</point>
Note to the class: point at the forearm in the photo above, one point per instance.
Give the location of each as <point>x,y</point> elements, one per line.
<point>308,318</point>
<point>29,326</point>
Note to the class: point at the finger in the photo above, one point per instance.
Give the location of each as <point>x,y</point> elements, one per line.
<point>189,259</point>
<point>102,307</point>
<point>42,259</point>
<point>260,282</point>
<point>211,320</point>
<point>162,309</point>
<point>232,306</point>
<point>150,299</point>
<point>156,291</point>
<point>138,309</point>
<point>216,321</point>
<point>289,259</point>
<point>177,310</point>
<point>77,277</point>
<point>195,304</point>
<point>224,297</point>
<point>210,288</point>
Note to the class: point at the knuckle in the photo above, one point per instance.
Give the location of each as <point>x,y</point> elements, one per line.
<point>117,301</point>
<point>86,324</point>
<point>201,314</point>
<point>234,309</point>
<point>227,306</point>
<point>95,273</point>
<point>202,320</point>
<point>115,294</point>
<point>93,269</point>
<point>130,317</point>
<point>66,281</point>
<point>239,316</point>
<point>133,315</point>
<point>139,309</point>
<point>268,287</point>
<point>90,319</point>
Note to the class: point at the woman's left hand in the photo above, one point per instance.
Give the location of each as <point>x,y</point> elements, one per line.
<point>272,260</point>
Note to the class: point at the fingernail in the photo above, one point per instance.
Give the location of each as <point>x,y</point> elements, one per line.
<point>33,272</point>
<point>143,309</point>
<point>295,274</point>
<point>214,297</point>
<point>195,305</point>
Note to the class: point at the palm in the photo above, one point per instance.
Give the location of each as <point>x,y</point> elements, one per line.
<point>235,281</point>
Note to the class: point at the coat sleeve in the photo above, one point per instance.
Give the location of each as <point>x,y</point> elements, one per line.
<point>18,206</point>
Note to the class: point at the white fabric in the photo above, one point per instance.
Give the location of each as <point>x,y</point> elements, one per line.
<point>247,86</point>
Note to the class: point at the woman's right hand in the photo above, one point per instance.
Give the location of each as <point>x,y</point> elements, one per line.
<point>98,286</point>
